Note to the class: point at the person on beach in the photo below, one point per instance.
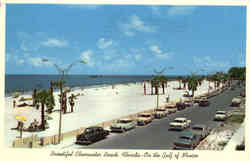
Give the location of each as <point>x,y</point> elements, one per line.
<point>14,103</point>
<point>71,102</point>
<point>144,88</point>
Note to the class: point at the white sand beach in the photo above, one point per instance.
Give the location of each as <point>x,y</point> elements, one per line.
<point>95,106</point>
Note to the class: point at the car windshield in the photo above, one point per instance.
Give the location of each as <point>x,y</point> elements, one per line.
<point>197,128</point>
<point>124,121</point>
<point>88,130</point>
<point>179,121</point>
<point>185,138</point>
<point>144,115</point>
<point>160,109</point>
<point>220,113</point>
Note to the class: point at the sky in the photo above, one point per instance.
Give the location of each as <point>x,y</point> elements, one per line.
<point>124,39</point>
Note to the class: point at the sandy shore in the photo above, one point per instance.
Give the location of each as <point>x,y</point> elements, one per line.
<point>93,106</point>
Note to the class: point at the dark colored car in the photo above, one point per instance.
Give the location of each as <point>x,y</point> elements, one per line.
<point>204,103</point>
<point>187,141</point>
<point>201,130</point>
<point>243,94</point>
<point>188,103</point>
<point>180,106</point>
<point>91,135</point>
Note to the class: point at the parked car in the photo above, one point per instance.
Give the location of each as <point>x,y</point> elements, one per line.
<point>243,94</point>
<point>186,141</point>
<point>188,103</point>
<point>171,108</point>
<point>180,123</point>
<point>236,101</point>
<point>199,98</point>
<point>204,103</point>
<point>201,130</point>
<point>91,135</point>
<point>180,106</point>
<point>160,112</point>
<point>144,118</point>
<point>221,116</point>
<point>122,125</point>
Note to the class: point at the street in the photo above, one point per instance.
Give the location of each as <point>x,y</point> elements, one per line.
<point>156,135</point>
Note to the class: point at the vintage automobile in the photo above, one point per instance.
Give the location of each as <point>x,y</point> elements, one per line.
<point>204,103</point>
<point>91,135</point>
<point>186,141</point>
<point>160,113</point>
<point>243,94</point>
<point>180,106</point>
<point>171,108</point>
<point>236,101</point>
<point>123,125</point>
<point>221,116</point>
<point>144,118</point>
<point>199,98</point>
<point>201,130</point>
<point>188,103</point>
<point>180,123</point>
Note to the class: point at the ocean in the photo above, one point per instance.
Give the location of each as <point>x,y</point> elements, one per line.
<point>29,82</point>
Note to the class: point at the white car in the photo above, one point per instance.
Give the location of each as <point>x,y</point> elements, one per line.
<point>160,112</point>
<point>221,116</point>
<point>180,123</point>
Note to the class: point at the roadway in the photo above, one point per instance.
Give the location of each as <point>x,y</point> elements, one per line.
<point>156,134</point>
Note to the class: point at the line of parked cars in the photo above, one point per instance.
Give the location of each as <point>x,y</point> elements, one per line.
<point>186,140</point>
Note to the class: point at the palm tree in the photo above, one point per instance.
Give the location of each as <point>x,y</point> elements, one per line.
<point>162,80</point>
<point>45,98</point>
<point>192,83</point>
<point>185,81</point>
<point>179,78</point>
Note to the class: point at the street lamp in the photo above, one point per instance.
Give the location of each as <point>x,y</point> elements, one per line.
<point>159,73</point>
<point>60,83</point>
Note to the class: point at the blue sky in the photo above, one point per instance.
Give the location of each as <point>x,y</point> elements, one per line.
<point>122,39</point>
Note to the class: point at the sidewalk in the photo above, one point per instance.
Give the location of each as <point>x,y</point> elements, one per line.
<point>237,138</point>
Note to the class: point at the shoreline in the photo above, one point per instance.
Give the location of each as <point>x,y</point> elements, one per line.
<point>73,88</point>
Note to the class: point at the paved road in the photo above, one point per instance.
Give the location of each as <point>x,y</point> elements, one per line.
<point>156,135</point>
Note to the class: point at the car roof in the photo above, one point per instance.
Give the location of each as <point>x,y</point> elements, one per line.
<point>162,108</point>
<point>199,125</point>
<point>144,113</point>
<point>180,118</point>
<point>186,134</point>
<point>94,127</point>
<point>221,111</point>
<point>126,119</point>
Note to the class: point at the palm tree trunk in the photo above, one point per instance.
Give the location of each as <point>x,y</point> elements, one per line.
<point>163,88</point>
<point>42,118</point>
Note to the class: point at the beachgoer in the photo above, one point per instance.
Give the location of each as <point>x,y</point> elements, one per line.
<point>144,88</point>
<point>14,103</point>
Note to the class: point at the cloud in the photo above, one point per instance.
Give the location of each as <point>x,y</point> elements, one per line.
<point>52,42</point>
<point>102,44</point>
<point>134,25</point>
<point>30,42</point>
<point>209,63</point>
<point>88,57</point>
<point>158,52</point>
<point>156,10</point>
<point>181,11</point>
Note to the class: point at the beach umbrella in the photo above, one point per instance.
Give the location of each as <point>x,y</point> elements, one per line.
<point>21,118</point>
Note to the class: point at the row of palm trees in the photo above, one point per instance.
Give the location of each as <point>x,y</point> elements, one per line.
<point>193,81</point>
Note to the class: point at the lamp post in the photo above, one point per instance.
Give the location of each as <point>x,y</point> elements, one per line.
<point>159,73</point>
<point>60,83</point>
